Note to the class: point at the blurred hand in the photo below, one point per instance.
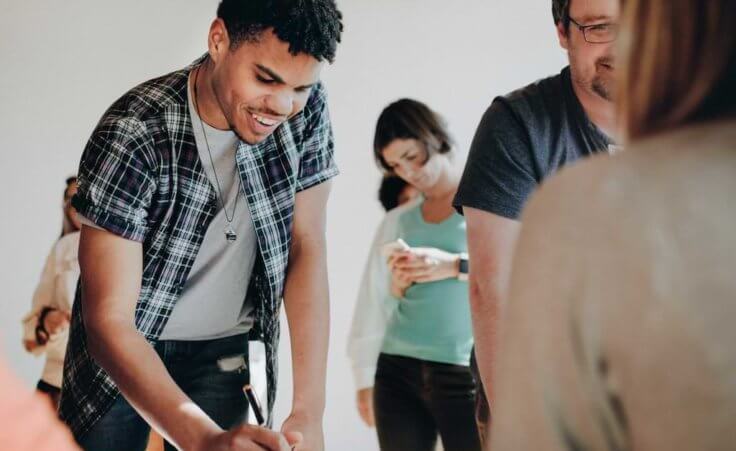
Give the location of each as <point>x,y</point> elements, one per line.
<point>30,345</point>
<point>56,321</point>
<point>247,438</point>
<point>303,433</point>
<point>400,281</point>
<point>364,400</point>
<point>424,264</point>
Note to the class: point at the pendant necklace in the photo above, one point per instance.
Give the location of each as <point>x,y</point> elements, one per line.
<point>230,234</point>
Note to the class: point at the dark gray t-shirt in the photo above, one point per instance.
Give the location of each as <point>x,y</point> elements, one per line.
<point>523,138</point>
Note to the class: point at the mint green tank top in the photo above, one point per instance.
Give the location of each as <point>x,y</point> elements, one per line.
<point>432,321</point>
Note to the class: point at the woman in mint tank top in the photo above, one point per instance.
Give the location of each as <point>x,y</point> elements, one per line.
<point>423,386</point>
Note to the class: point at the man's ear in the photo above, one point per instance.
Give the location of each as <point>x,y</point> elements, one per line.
<point>563,35</point>
<point>218,41</point>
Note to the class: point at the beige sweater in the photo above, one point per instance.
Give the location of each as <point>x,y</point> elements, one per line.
<point>620,327</point>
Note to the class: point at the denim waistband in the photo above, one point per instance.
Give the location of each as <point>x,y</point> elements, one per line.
<point>202,350</point>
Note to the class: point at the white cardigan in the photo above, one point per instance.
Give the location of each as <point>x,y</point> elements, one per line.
<point>374,305</point>
<point>56,289</point>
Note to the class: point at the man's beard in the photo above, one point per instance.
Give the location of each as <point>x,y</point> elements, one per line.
<point>602,88</point>
<point>601,84</point>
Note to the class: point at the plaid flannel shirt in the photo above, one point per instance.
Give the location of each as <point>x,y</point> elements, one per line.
<point>141,178</point>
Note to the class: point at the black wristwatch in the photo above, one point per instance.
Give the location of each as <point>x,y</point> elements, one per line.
<point>463,267</point>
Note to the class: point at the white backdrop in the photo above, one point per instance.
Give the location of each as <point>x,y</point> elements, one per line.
<point>65,62</point>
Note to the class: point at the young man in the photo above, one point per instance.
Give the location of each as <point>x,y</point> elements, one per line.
<point>203,193</point>
<point>525,137</point>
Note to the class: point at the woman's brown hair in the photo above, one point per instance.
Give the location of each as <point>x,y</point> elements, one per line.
<point>679,64</point>
<point>410,119</point>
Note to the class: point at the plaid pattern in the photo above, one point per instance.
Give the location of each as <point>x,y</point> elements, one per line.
<point>140,177</point>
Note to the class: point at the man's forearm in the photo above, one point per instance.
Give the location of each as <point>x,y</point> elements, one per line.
<point>485,310</point>
<point>142,378</point>
<point>306,299</point>
<point>491,240</point>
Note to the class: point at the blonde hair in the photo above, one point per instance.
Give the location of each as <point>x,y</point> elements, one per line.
<point>678,64</point>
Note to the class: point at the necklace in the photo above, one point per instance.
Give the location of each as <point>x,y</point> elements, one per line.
<point>230,234</point>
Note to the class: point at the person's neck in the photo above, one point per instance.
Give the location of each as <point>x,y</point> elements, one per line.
<point>445,187</point>
<point>205,101</point>
<point>600,111</point>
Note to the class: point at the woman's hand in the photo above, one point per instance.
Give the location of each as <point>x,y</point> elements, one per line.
<point>400,282</point>
<point>56,321</point>
<point>364,400</point>
<point>425,264</point>
<point>50,322</point>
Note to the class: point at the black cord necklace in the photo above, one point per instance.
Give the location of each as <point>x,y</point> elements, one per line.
<point>230,234</point>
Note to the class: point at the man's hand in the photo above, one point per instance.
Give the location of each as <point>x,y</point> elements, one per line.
<point>425,264</point>
<point>303,433</point>
<point>247,438</point>
<point>364,400</point>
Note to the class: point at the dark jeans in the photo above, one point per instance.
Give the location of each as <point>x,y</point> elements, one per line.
<point>193,366</point>
<point>415,399</point>
<point>482,407</point>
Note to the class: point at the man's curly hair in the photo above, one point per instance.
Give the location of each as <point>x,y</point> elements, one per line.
<point>561,12</point>
<point>308,26</point>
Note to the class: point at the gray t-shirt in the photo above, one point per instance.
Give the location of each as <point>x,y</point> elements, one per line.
<point>212,304</point>
<point>523,138</point>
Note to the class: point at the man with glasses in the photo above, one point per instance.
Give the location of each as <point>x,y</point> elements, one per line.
<point>523,138</point>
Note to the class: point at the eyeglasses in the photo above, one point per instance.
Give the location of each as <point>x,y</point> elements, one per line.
<point>599,33</point>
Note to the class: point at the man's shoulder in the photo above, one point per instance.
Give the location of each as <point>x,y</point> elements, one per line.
<point>317,98</point>
<point>537,100</point>
<point>150,100</point>
<point>313,113</point>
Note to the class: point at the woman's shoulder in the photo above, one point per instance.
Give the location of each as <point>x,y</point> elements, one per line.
<point>396,213</point>
<point>389,225</point>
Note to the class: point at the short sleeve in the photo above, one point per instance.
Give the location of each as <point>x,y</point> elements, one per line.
<point>317,161</point>
<point>499,174</point>
<point>116,181</point>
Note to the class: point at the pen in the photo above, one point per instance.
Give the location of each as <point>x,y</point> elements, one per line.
<point>250,394</point>
<point>254,404</point>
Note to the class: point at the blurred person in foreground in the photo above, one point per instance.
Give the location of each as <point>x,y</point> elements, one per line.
<point>618,333</point>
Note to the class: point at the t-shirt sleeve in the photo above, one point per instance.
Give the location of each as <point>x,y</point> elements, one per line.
<point>116,178</point>
<point>317,163</point>
<point>499,174</point>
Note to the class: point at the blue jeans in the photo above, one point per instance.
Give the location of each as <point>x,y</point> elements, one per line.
<point>193,366</point>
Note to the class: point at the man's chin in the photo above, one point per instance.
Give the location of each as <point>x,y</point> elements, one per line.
<point>251,139</point>
<point>604,88</point>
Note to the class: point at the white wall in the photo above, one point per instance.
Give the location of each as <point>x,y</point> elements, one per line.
<point>65,62</point>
